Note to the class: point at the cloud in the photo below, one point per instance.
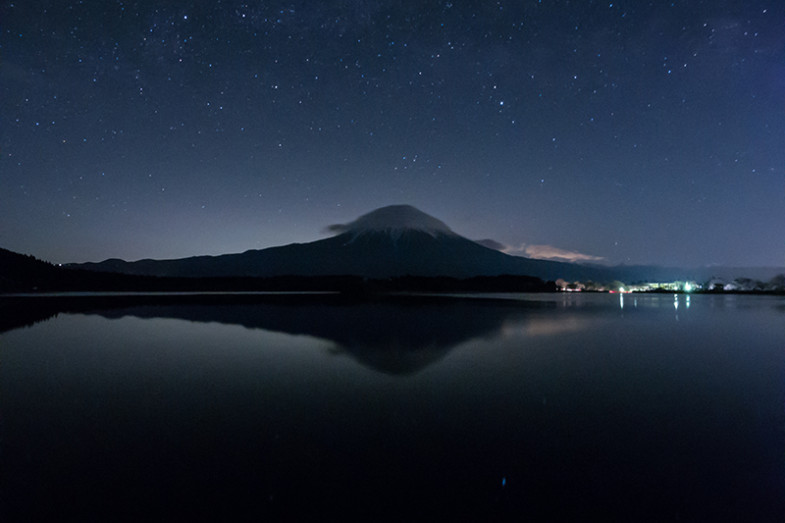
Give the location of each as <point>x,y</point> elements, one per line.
<point>492,244</point>
<point>549,252</point>
<point>336,228</point>
<point>541,252</point>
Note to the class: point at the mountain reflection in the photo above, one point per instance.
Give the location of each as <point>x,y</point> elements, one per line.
<point>393,335</point>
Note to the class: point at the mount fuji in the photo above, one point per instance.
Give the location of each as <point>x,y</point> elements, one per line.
<point>398,240</point>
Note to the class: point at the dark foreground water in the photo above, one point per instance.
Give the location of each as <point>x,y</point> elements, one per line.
<point>550,407</point>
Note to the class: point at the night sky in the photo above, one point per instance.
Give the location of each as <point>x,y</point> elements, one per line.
<point>627,132</point>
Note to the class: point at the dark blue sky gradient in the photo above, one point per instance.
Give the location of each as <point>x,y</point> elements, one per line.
<point>629,131</point>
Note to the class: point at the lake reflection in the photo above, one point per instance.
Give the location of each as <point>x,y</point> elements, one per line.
<point>633,407</point>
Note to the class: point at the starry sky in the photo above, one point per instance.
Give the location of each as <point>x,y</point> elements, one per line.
<point>621,132</point>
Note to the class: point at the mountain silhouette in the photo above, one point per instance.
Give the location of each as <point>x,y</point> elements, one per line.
<point>397,240</point>
<point>394,242</point>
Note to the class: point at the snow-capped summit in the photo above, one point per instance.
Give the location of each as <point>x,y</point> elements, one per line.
<point>394,220</point>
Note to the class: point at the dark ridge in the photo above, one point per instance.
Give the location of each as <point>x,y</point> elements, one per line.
<point>22,274</point>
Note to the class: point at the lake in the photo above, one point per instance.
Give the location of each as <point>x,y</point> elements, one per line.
<point>513,407</point>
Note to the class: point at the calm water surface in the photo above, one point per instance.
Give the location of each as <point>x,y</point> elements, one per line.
<point>538,407</point>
